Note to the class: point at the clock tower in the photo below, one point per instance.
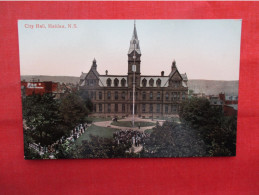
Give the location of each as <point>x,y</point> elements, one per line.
<point>134,55</point>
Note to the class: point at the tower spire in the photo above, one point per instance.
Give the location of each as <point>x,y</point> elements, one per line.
<point>134,43</point>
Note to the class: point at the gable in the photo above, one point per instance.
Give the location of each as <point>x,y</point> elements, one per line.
<point>176,76</point>
<point>91,75</point>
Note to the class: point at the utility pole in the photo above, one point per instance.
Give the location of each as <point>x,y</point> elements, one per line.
<point>134,70</point>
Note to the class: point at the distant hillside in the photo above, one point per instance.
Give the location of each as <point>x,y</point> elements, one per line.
<point>209,87</point>
<point>63,79</point>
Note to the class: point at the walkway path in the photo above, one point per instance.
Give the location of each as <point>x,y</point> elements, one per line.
<point>141,129</point>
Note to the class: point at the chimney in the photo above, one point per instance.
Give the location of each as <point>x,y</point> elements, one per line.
<point>162,73</point>
<point>106,72</point>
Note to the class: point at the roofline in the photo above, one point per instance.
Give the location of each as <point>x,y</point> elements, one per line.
<point>152,76</point>
<point>113,75</point>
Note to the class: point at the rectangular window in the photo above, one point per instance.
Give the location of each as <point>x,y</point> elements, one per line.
<point>174,108</point>
<point>166,96</point>
<point>143,108</point>
<point>92,95</point>
<point>94,108</point>
<point>143,95</point>
<point>109,108</point>
<point>100,95</point>
<point>175,96</point>
<point>123,107</point>
<point>166,108</point>
<point>116,95</point>
<point>100,108</point>
<point>151,108</point>
<point>158,108</point>
<point>151,95</point>
<point>108,95</point>
<point>116,107</point>
<point>158,96</point>
<point>183,96</point>
<point>123,95</point>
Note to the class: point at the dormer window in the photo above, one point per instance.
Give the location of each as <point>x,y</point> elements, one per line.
<point>91,82</point>
<point>144,82</point>
<point>123,82</point>
<point>109,82</point>
<point>158,83</point>
<point>151,82</point>
<point>116,82</point>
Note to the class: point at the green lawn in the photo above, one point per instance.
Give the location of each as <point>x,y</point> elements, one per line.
<point>129,124</point>
<point>97,119</point>
<point>96,131</point>
<point>170,119</point>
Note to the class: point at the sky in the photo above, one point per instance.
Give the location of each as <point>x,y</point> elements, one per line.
<point>204,49</point>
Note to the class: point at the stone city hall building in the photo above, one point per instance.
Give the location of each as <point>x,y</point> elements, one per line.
<point>155,96</point>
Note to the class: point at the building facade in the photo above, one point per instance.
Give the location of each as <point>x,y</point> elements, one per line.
<point>155,95</point>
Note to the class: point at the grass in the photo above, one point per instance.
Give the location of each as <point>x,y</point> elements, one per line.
<point>94,130</point>
<point>97,119</point>
<point>129,124</point>
<point>170,119</point>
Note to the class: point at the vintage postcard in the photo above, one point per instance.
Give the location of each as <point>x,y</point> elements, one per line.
<point>129,88</point>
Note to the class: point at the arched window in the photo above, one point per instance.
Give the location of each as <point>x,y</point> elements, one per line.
<point>151,95</point>
<point>151,82</point>
<point>167,96</point>
<point>158,96</point>
<point>109,82</point>
<point>123,82</point>
<point>144,82</point>
<point>116,82</point>
<point>123,95</point>
<point>100,95</point>
<point>143,95</point>
<point>158,82</point>
<point>116,95</point>
<point>108,95</point>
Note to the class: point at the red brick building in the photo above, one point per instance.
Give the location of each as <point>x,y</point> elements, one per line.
<point>29,88</point>
<point>230,104</point>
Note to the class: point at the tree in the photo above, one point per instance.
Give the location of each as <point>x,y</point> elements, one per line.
<point>85,96</point>
<point>173,140</point>
<point>42,116</point>
<point>28,152</point>
<point>218,131</point>
<point>73,110</point>
<point>98,147</point>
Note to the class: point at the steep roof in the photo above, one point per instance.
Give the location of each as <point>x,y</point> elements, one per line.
<point>184,76</point>
<point>134,43</point>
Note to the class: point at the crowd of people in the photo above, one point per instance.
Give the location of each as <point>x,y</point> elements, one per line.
<point>53,148</point>
<point>136,138</point>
